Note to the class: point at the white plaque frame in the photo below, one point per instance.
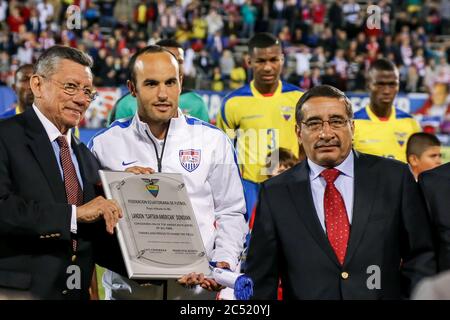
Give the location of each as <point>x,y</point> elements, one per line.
<point>158,234</point>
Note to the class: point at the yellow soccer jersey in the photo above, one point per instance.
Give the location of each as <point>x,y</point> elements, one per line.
<point>384,138</point>
<point>259,124</point>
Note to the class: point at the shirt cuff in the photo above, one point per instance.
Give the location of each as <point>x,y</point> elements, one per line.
<point>73,220</point>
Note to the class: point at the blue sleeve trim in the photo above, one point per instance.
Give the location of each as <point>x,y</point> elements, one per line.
<point>8,113</point>
<point>402,115</point>
<point>195,121</point>
<point>122,123</point>
<point>361,115</point>
<point>287,87</point>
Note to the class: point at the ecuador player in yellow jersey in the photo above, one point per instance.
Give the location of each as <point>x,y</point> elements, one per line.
<point>260,116</point>
<point>380,128</point>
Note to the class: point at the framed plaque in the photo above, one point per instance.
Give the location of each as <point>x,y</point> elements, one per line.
<point>158,234</point>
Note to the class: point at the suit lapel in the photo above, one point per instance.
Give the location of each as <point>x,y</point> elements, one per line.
<point>43,152</point>
<point>365,186</point>
<point>300,192</point>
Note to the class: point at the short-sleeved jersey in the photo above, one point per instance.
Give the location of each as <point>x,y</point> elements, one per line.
<point>383,138</point>
<point>259,125</point>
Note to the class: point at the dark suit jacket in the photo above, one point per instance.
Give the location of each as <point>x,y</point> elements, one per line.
<point>35,239</point>
<point>389,228</point>
<point>435,185</point>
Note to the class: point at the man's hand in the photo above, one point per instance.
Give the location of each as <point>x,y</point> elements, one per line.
<point>192,279</point>
<point>97,208</point>
<point>140,170</point>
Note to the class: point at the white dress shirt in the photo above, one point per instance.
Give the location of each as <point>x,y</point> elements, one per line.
<point>344,183</point>
<point>53,133</point>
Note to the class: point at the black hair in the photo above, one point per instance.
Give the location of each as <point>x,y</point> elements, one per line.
<point>419,142</point>
<point>171,43</point>
<point>322,91</point>
<point>383,65</point>
<point>262,40</point>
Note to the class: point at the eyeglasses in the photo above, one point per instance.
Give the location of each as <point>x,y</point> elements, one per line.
<point>317,124</point>
<point>71,89</point>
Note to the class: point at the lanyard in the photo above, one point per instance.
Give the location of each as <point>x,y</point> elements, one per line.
<point>159,158</point>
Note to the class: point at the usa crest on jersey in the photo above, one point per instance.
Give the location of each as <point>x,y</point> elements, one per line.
<point>190,159</point>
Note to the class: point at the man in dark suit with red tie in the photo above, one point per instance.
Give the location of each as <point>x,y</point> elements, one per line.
<point>50,216</point>
<point>435,185</point>
<point>341,224</point>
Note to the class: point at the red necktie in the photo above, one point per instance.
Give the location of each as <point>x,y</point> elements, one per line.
<point>336,219</point>
<point>74,193</point>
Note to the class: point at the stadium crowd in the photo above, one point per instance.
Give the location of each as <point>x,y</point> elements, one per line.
<point>325,42</point>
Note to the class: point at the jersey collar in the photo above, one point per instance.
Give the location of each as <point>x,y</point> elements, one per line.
<point>175,123</point>
<point>257,94</point>
<point>374,118</point>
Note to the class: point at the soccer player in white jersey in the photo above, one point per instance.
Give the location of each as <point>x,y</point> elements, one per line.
<point>160,138</point>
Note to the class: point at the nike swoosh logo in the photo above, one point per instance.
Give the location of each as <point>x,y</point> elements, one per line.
<point>128,163</point>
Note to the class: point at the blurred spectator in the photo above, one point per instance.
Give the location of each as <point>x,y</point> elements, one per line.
<point>330,76</point>
<point>248,12</point>
<point>305,82</point>
<point>435,113</point>
<point>278,16</point>
<point>214,22</point>
<point>226,65</point>
<point>217,80</point>
<point>238,76</point>
<point>318,12</point>
<point>3,12</point>
<point>302,58</point>
<point>168,22</point>
<point>351,15</point>
<point>412,79</point>
<point>336,15</point>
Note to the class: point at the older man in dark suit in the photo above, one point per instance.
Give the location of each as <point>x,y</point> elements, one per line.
<point>49,213</point>
<point>341,224</point>
<point>435,185</point>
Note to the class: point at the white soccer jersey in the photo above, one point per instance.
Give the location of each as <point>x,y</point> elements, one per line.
<point>205,157</point>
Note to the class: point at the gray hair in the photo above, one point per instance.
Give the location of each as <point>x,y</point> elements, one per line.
<point>49,60</point>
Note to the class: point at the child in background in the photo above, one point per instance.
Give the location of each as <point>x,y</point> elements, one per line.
<point>423,152</point>
<point>286,159</point>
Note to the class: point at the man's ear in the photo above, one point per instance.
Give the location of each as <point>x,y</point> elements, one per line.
<point>413,160</point>
<point>131,88</point>
<point>249,60</point>
<point>181,77</point>
<point>298,131</point>
<point>36,85</point>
